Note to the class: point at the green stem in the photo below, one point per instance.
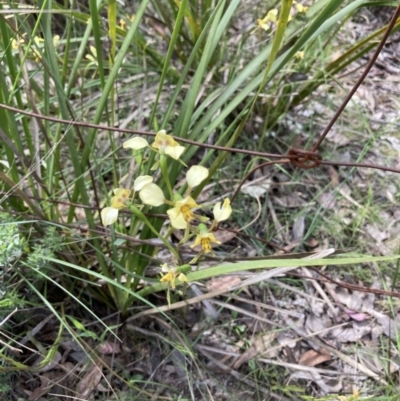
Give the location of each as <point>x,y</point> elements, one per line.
<point>164,171</point>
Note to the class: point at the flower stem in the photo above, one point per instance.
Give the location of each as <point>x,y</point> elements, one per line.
<point>164,171</point>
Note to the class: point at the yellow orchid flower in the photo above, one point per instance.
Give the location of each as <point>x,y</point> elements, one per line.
<point>299,55</point>
<point>120,200</point>
<point>223,212</point>
<point>270,17</point>
<point>56,40</point>
<point>166,144</point>
<point>163,143</point>
<point>300,8</point>
<point>93,56</point>
<point>171,274</point>
<point>38,41</point>
<point>183,209</point>
<point>204,238</point>
<point>177,219</point>
<point>18,41</point>
<point>93,60</point>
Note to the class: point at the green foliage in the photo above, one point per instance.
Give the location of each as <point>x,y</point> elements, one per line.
<point>206,83</point>
<point>44,248</point>
<point>12,244</point>
<point>5,387</point>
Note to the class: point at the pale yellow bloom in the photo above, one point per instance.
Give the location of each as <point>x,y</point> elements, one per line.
<point>38,40</point>
<point>163,142</point>
<point>222,212</point>
<point>196,175</point>
<point>300,8</point>
<point>177,219</point>
<point>270,17</point>
<point>93,61</point>
<point>56,40</point>
<point>122,21</point>
<point>120,200</point>
<point>166,144</point>
<point>185,208</point>
<point>16,42</point>
<point>205,240</point>
<point>299,55</point>
<point>38,54</point>
<point>93,56</point>
<point>171,274</point>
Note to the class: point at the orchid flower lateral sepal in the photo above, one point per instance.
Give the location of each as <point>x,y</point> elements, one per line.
<point>135,143</point>
<point>119,201</point>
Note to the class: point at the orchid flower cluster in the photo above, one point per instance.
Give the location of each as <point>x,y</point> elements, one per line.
<point>182,214</point>
<point>271,17</point>
<point>16,43</point>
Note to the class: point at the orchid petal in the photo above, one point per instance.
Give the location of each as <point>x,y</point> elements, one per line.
<point>141,181</point>
<point>196,175</point>
<point>152,195</point>
<point>223,212</point>
<point>109,215</point>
